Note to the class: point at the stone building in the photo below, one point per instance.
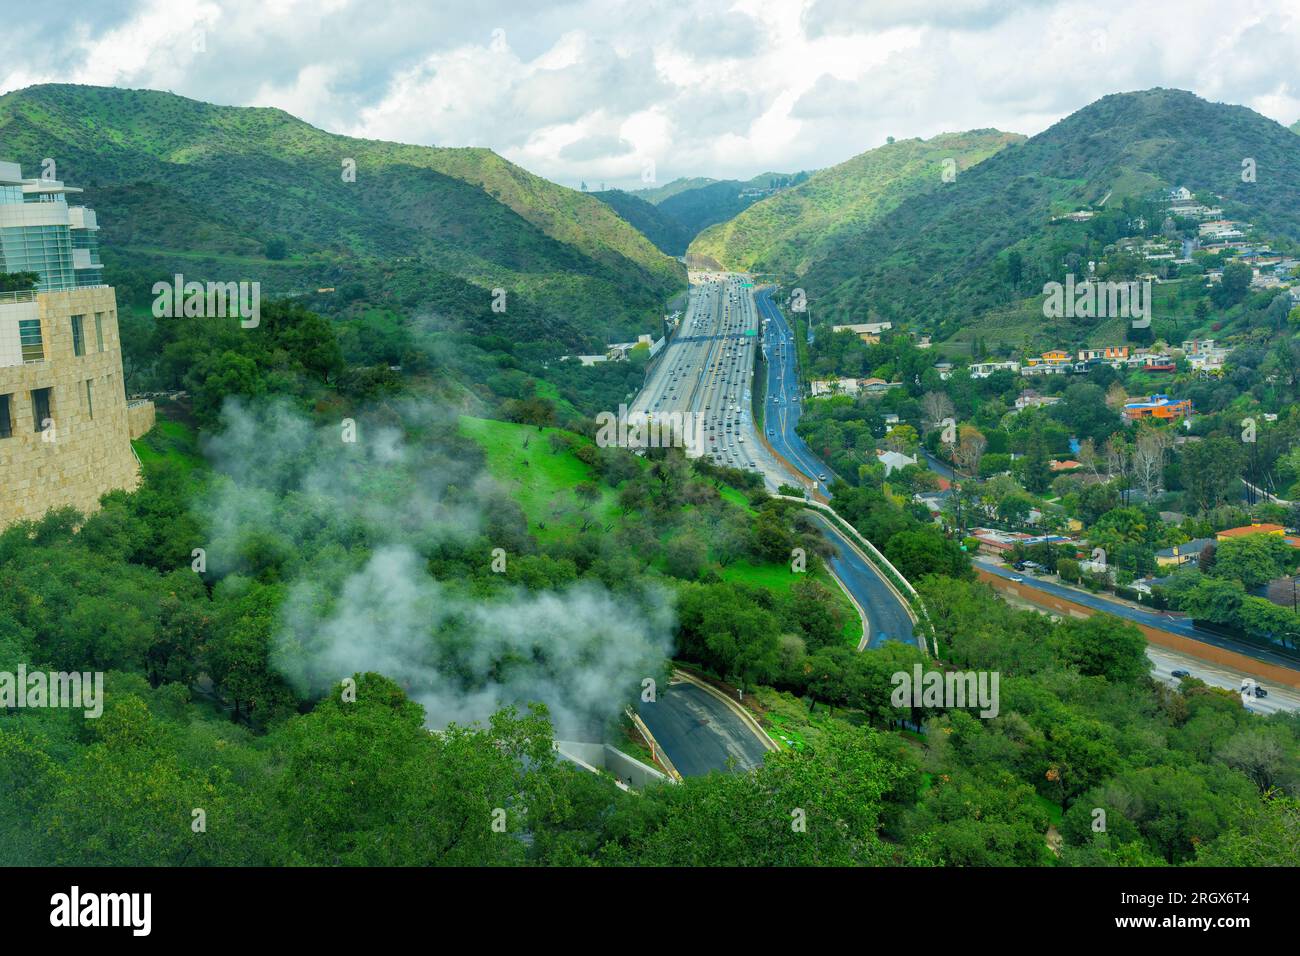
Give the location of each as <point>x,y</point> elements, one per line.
<point>64,427</point>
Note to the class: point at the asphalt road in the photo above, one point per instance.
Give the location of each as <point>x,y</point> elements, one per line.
<point>707,368</point>
<point>888,621</point>
<point>784,404</point>
<point>707,372</point>
<point>1165,660</point>
<point>700,733</point>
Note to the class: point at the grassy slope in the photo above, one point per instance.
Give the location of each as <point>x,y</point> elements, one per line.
<point>541,482</point>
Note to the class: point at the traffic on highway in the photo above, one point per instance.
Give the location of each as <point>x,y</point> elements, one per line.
<point>707,371</point>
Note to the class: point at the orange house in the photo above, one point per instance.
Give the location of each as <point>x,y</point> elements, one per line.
<point>1160,407</point>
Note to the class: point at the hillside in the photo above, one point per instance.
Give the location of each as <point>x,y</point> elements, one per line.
<point>699,202</point>
<point>786,232</point>
<point>182,185</point>
<point>946,254</point>
<point>668,234</point>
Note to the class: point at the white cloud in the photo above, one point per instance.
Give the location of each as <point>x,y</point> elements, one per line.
<point>601,89</point>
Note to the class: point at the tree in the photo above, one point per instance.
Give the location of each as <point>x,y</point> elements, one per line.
<point>18,281</point>
<point>1037,470</point>
<point>1103,646</point>
<point>1253,559</point>
<point>686,555</point>
<point>1234,286</point>
<point>1149,452</point>
<point>1209,470</point>
<point>936,406</point>
<point>926,551</point>
<point>970,448</point>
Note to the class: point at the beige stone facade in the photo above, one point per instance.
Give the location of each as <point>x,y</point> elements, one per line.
<point>85,449</point>
<point>140,417</point>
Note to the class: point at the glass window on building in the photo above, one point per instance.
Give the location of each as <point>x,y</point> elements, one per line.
<point>90,398</point>
<point>42,408</point>
<point>99,329</point>
<point>29,337</point>
<point>6,416</point>
<point>78,335</point>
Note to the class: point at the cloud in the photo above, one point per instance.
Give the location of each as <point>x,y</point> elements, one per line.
<point>600,89</point>
<point>830,17</point>
<point>361,517</point>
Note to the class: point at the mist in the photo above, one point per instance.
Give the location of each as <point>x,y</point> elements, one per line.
<point>362,517</point>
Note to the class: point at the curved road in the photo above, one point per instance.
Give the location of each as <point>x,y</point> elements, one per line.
<point>706,369</point>
<point>888,621</point>
<point>700,733</point>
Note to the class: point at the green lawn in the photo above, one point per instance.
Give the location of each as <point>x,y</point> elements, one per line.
<point>779,579</point>
<point>540,480</point>
<point>170,441</point>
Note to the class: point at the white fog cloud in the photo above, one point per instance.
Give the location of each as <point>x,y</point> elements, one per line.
<point>600,89</point>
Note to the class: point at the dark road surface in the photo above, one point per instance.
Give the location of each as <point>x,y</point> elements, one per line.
<point>699,732</point>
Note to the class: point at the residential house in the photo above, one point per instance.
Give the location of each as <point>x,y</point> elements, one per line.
<point>985,369</point>
<point>869,332</point>
<point>1031,399</point>
<point>1106,354</point>
<point>1181,554</point>
<point>1159,407</point>
<point>893,460</point>
<point>836,386</point>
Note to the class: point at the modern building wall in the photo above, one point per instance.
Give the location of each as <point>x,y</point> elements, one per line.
<point>86,450</point>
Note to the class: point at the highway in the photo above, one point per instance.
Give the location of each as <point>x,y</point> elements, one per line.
<point>699,732</point>
<point>1163,659</point>
<point>784,403</point>
<point>706,372</point>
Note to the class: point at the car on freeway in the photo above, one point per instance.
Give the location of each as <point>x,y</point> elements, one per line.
<point>1180,674</point>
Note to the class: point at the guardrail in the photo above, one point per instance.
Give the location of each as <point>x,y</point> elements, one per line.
<point>23,295</point>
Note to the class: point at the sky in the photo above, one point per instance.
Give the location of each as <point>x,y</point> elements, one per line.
<point>635,94</point>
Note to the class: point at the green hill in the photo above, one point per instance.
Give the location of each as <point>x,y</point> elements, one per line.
<point>668,234</point>
<point>988,240</point>
<point>819,218</point>
<point>187,186</point>
<point>699,202</point>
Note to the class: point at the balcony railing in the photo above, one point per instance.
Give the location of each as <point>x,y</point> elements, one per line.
<point>26,295</point>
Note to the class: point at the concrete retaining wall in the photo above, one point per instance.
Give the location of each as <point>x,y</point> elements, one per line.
<point>629,771</point>
<point>1175,642</point>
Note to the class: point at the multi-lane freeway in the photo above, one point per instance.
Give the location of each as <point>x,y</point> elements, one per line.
<point>707,370</point>
<point>706,375</point>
